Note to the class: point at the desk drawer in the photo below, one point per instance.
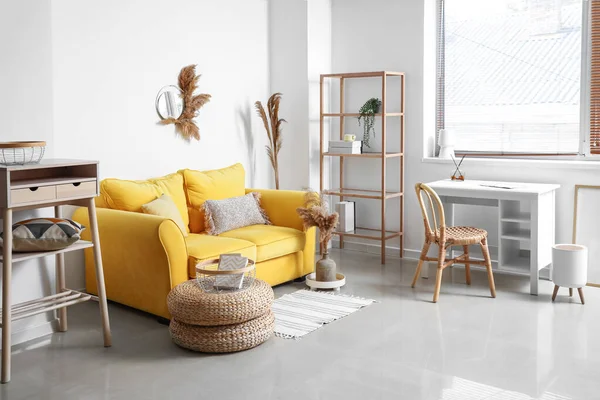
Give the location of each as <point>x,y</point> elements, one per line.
<point>32,195</point>
<point>73,190</point>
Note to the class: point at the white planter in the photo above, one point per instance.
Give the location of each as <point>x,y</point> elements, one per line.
<point>569,265</point>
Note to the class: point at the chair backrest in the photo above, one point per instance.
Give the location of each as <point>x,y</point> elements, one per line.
<point>436,210</point>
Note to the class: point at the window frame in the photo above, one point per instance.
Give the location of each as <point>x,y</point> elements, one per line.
<point>584,152</point>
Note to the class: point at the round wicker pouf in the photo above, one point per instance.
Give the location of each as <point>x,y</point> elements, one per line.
<point>189,304</point>
<point>223,339</point>
<point>223,322</point>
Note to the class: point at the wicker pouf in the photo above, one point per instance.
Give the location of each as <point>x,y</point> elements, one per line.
<point>189,304</point>
<point>220,323</point>
<point>223,339</point>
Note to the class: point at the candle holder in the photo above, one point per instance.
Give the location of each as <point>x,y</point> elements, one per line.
<point>458,174</point>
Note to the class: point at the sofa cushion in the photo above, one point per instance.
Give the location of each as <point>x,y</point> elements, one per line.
<point>233,213</point>
<point>271,241</point>
<point>165,207</point>
<point>202,247</point>
<point>217,184</point>
<point>126,195</point>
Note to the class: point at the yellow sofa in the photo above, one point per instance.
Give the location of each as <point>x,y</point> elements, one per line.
<point>144,256</point>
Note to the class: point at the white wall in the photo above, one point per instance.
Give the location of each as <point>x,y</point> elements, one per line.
<point>112,57</point>
<point>26,114</point>
<point>288,75</point>
<point>319,62</point>
<point>364,38</point>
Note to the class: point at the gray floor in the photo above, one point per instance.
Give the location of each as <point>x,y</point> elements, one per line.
<point>466,347</point>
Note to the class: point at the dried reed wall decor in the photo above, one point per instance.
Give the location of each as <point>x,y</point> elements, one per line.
<point>185,124</point>
<point>272,124</point>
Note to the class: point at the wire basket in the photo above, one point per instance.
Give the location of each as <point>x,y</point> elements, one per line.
<point>21,153</point>
<point>213,280</point>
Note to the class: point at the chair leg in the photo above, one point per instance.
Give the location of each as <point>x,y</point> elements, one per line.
<point>570,292</point>
<point>580,290</point>
<point>555,292</point>
<point>467,264</point>
<point>440,269</point>
<point>488,266</point>
<point>421,261</point>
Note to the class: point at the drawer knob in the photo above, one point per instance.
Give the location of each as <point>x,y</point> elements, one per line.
<point>76,184</point>
<point>33,189</point>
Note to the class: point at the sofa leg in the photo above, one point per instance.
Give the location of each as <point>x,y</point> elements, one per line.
<point>302,279</point>
<point>163,321</point>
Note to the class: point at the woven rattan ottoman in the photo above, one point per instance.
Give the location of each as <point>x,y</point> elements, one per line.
<point>223,322</point>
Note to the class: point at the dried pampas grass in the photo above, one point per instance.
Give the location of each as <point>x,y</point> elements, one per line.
<point>272,124</point>
<point>185,124</point>
<point>316,213</point>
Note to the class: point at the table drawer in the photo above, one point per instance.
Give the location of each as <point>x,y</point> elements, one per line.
<point>72,190</point>
<point>32,194</point>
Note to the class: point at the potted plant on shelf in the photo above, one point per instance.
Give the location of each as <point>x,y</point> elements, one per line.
<point>367,114</point>
<point>316,213</point>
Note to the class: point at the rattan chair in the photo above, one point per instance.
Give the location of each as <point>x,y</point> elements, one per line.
<point>448,236</point>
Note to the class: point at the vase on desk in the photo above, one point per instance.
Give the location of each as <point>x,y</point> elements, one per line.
<point>326,269</point>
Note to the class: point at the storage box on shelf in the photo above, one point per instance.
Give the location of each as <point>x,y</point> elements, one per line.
<point>383,194</point>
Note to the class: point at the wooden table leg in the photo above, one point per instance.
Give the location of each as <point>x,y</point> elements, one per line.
<point>99,273</point>
<point>60,280</point>
<point>6,301</point>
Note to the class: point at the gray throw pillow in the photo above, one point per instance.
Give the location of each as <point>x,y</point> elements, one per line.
<point>236,212</point>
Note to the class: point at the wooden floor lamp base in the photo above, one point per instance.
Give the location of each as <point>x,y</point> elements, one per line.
<point>579,290</point>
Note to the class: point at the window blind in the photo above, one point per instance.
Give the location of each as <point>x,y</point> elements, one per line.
<point>595,78</point>
<point>509,75</point>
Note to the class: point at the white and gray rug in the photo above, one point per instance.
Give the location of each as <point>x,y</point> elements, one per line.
<point>304,311</point>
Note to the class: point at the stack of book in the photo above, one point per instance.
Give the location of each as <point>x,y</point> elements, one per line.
<point>343,147</point>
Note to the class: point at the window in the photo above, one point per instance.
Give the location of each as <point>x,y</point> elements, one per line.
<point>509,75</point>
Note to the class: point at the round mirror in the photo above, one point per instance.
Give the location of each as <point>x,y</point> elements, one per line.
<point>169,103</point>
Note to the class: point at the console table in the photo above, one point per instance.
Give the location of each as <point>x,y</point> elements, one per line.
<point>51,183</point>
<point>526,218</point>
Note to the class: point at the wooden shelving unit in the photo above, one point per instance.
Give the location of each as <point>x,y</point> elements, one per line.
<point>383,194</point>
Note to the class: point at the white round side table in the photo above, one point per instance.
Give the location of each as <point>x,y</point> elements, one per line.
<point>569,268</point>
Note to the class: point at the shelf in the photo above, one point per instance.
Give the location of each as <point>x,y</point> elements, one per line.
<point>374,74</point>
<point>520,217</point>
<point>390,114</point>
<point>27,183</point>
<point>517,234</point>
<point>48,303</point>
<point>16,257</point>
<point>360,193</point>
<point>364,155</point>
<point>369,233</point>
<point>517,265</point>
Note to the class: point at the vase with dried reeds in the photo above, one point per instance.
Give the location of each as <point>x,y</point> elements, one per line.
<point>272,124</point>
<point>316,213</point>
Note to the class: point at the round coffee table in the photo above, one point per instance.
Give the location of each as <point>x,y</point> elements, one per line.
<point>223,322</point>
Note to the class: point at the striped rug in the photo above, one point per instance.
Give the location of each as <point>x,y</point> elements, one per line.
<point>304,311</point>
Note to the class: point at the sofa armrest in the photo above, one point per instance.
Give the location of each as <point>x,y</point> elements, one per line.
<point>143,256</point>
<point>281,205</point>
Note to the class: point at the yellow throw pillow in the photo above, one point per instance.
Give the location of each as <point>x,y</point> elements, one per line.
<point>165,207</point>
<point>126,195</point>
<point>217,184</point>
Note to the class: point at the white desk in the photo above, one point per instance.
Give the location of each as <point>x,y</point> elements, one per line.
<point>525,212</point>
